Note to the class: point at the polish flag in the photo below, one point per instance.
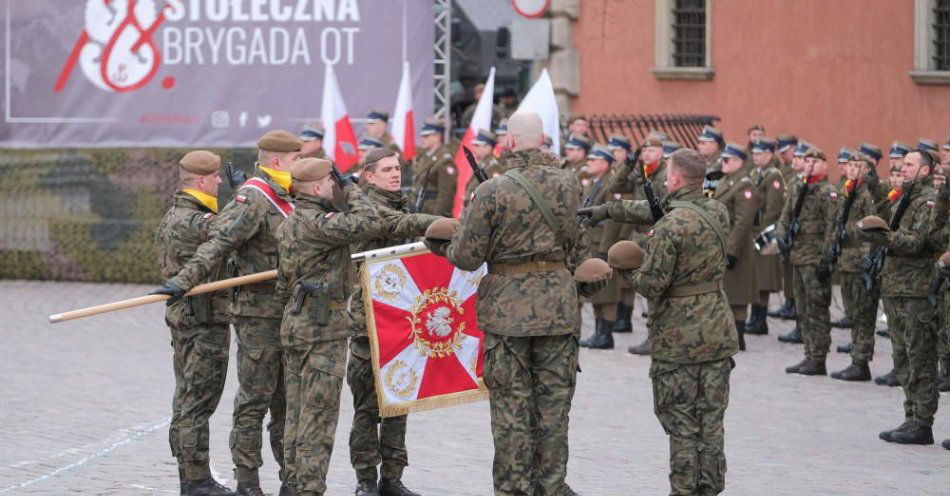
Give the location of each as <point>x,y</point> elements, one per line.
<point>403,128</point>
<point>339,140</point>
<point>481,119</point>
<point>540,100</point>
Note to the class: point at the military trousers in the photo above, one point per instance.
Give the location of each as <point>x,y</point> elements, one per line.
<point>530,383</point>
<point>314,381</point>
<point>813,303</point>
<point>200,362</point>
<point>913,333</point>
<point>690,401</point>
<point>374,441</point>
<point>943,332</point>
<point>260,372</point>
<point>863,305</point>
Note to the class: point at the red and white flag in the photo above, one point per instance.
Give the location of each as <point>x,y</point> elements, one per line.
<point>403,127</point>
<point>339,140</point>
<point>540,99</point>
<point>426,345</point>
<point>481,119</point>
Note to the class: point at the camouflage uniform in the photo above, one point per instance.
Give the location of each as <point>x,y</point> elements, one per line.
<point>314,248</point>
<point>245,230</point>
<point>527,306</point>
<point>200,337</point>
<point>859,302</point>
<point>434,171</point>
<point>905,281</point>
<point>682,275</point>
<point>815,236</point>
<point>371,446</point>
<point>939,236</point>
<point>492,167</point>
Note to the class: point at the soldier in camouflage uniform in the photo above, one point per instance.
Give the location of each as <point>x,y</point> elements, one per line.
<point>855,296</point>
<point>527,308</point>
<point>791,153</point>
<point>375,441</point>
<point>576,150</point>
<point>246,232</point>
<point>312,138</point>
<point>770,188</point>
<point>315,278</point>
<point>905,283</point>
<point>807,255</point>
<point>199,324</point>
<point>692,358</point>
<point>940,232</point>
<point>434,171</point>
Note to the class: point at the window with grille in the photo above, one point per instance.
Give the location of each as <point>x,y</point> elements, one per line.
<point>941,35</point>
<point>689,32</point>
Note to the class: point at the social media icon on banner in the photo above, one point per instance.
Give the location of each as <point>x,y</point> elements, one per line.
<point>263,120</point>
<point>242,119</point>
<point>220,118</point>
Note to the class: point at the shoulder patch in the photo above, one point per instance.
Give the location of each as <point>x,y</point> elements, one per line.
<point>650,234</point>
<point>450,170</point>
<point>447,156</point>
<point>777,184</point>
<point>833,194</point>
<point>747,194</point>
<point>240,198</point>
<point>585,181</point>
<point>208,216</point>
<point>329,215</point>
<point>930,204</point>
<point>617,196</point>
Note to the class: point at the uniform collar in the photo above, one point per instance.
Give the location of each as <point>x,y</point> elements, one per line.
<point>204,199</point>
<point>279,177</point>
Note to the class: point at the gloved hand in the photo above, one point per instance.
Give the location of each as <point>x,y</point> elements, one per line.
<point>171,289</point>
<point>783,248</point>
<point>597,214</point>
<point>236,177</point>
<point>731,261</point>
<point>591,288</point>
<point>822,273</point>
<point>437,246</point>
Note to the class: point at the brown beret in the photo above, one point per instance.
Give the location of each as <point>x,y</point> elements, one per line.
<point>279,140</point>
<point>944,260</point>
<point>310,169</point>
<point>377,154</point>
<point>652,141</point>
<point>591,270</point>
<point>201,162</point>
<point>443,228</point>
<point>873,223</point>
<point>660,135</point>
<point>816,153</point>
<point>625,255</point>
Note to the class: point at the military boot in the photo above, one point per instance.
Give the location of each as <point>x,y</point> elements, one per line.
<point>740,329</point>
<point>182,481</point>
<point>788,312</point>
<point>394,487</point>
<point>795,368</point>
<point>842,323</point>
<point>602,339</point>
<point>794,336</point>
<point>757,322</point>
<point>946,444</point>
<point>857,371</point>
<point>915,434</point>
<point>367,487</point>
<point>813,367</point>
<point>943,379</point>
<point>249,489</point>
<point>888,379</point>
<point>886,435</point>
<point>206,487</point>
<point>643,348</point>
<point>623,323</point>
<point>286,490</point>
<point>845,348</point>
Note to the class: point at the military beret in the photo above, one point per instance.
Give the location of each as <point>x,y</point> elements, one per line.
<point>710,133</point>
<point>660,135</point>
<point>279,140</point>
<point>201,162</point>
<point>601,152</point>
<point>734,150</point>
<point>432,126</point>
<point>926,144</point>
<point>625,255</point>
<point>873,223</point>
<point>377,154</point>
<point>652,141</point>
<point>861,157</point>
<point>785,141</point>
<point>619,142</point>
<point>443,228</point>
<point>763,144</point>
<point>870,150</point>
<point>816,153</point>
<point>898,150</point>
<point>669,147</point>
<point>485,137</point>
<point>591,270</point>
<point>310,169</point>
<point>312,132</point>
<point>376,115</point>
<point>944,260</point>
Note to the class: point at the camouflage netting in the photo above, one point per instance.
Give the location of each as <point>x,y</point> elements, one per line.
<point>89,214</point>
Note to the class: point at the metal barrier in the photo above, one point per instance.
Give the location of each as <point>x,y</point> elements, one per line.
<point>682,128</point>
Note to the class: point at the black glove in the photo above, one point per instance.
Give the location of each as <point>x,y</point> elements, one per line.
<point>783,248</point>
<point>345,183</point>
<point>171,289</point>
<point>437,246</point>
<point>731,261</point>
<point>236,177</point>
<point>822,273</point>
<point>596,214</point>
<point>591,288</point>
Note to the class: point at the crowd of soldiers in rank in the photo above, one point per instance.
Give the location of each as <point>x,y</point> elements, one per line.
<point>791,232</point>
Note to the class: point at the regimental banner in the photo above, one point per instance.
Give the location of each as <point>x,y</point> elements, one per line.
<point>425,341</point>
<point>208,73</point>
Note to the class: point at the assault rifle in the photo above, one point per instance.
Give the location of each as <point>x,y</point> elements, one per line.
<point>479,173</point>
<point>656,208</point>
<point>785,243</point>
<point>835,251</point>
<point>873,263</point>
<point>584,219</point>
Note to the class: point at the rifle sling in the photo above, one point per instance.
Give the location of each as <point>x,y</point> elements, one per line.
<point>538,202</point>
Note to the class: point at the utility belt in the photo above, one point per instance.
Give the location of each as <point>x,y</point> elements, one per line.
<point>317,297</point>
<point>504,269</point>
<point>693,289</point>
<point>234,270</point>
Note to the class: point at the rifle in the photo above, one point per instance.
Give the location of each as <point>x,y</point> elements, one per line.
<point>656,208</point>
<point>835,251</point>
<point>785,244</point>
<point>873,263</point>
<point>479,173</point>
<point>589,202</point>
<point>235,177</point>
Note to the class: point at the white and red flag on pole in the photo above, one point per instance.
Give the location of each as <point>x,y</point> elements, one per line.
<point>540,99</point>
<point>425,342</point>
<point>481,119</point>
<point>339,140</point>
<point>403,126</point>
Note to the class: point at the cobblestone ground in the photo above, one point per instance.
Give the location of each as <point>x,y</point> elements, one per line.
<point>85,409</point>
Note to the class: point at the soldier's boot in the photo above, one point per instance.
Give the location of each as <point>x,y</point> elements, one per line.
<point>394,487</point>
<point>884,333</point>
<point>182,481</point>
<point>740,329</point>
<point>845,348</point>
<point>888,379</point>
<point>943,383</point>
<point>757,323</point>
<point>249,489</point>
<point>886,435</point>
<point>857,371</point>
<point>367,487</point>
<point>623,322</point>
<point>946,444</point>
<point>842,323</point>
<point>795,368</point>
<point>788,312</point>
<point>813,367</point>
<point>602,339</point>
<point>793,337</point>
<point>207,487</point>
<point>643,348</point>
<point>286,490</point>
<point>915,434</point>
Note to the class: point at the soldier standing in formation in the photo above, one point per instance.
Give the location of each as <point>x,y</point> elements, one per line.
<point>770,190</point>
<point>483,146</point>
<point>199,324</point>
<point>575,152</point>
<point>622,149</point>
<point>312,138</point>
<point>376,128</point>
<point>433,171</point>
<point>795,335</point>
<point>245,237</point>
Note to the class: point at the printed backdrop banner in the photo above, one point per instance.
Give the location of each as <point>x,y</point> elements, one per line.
<point>211,73</point>
<point>426,345</point>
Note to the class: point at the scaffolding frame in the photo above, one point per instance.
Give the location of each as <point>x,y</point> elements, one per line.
<point>442,64</point>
